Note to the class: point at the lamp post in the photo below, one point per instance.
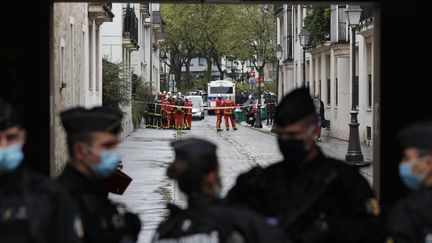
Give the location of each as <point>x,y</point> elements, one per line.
<point>258,123</point>
<point>278,54</point>
<point>354,154</point>
<point>304,42</point>
<point>260,64</point>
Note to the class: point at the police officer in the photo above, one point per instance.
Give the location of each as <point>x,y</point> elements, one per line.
<point>314,198</point>
<point>411,219</point>
<point>270,103</point>
<point>196,170</point>
<point>158,112</point>
<point>92,138</point>
<point>32,208</point>
<point>150,111</point>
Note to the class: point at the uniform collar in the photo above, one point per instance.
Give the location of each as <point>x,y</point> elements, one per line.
<point>79,183</point>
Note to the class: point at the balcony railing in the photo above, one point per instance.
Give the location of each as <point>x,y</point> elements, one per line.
<point>130,25</point>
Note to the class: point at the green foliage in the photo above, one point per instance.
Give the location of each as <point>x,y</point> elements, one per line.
<point>213,31</point>
<point>317,21</point>
<point>141,94</point>
<point>116,87</point>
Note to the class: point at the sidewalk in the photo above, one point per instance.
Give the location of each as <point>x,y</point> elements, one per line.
<point>333,147</point>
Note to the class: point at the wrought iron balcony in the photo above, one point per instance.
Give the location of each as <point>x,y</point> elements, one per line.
<point>100,12</point>
<point>145,9</point>
<point>130,28</point>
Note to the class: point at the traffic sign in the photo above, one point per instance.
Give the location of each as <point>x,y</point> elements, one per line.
<point>260,79</point>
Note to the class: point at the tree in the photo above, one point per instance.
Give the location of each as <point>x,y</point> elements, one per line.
<point>116,87</point>
<point>141,93</point>
<point>317,21</point>
<point>256,34</point>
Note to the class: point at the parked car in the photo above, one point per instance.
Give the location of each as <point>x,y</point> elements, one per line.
<point>197,106</point>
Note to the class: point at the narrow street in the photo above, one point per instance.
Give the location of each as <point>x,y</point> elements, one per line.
<point>147,152</point>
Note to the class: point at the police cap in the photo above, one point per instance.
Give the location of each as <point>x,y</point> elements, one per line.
<point>98,119</point>
<point>8,116</point>
<point>193,154</point>
<point>417,135</point>
<point>294,106</point>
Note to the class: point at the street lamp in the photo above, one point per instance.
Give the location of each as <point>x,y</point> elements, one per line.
<point>304,42</point>
<point>260,63</point>
<point>354,154</point>
<point>278,54</point>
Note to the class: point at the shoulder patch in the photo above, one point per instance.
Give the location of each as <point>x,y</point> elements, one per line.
<point>373,207</point>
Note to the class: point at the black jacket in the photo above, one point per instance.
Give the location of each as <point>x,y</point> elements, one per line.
<point>101,219</point>
<point>344,211</point>
<point>209,221</point>
<point>35,209</point>
<point>411,219</point>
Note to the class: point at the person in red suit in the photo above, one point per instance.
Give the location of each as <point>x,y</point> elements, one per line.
<point>172,112</point>
<point>228,113</point>
<point>219,112</point>
<point>179,113</point>
<point>188,117</point>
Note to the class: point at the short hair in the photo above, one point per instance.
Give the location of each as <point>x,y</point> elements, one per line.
<point>72,139</point>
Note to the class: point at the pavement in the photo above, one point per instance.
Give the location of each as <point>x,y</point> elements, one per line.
<point>146,153</point>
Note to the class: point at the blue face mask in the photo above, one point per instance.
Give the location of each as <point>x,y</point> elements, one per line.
<point>410,180</point>
<point>10,158</point>
<point>109,160</point>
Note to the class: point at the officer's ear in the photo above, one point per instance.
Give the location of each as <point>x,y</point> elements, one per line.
<point>79,151</point>
<point>211,181</point>
<point>429,164</point>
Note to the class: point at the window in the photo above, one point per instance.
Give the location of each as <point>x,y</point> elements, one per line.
<point>201,61</point>
<point>221,90</point>
<point>83,64</point>
<point>328,92</point>
<point>97,64</point>
<point>90,61</point>
<point>336,92</point>
<point>314,87</point>
<point>72,64</point>
<point>370,90</point>
<point>62,64</point>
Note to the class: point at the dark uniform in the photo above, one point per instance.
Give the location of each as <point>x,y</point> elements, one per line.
<point>150,113</point>
<point>32,208</point>
<point>316,200</point>
<point>103,221</point>
<point>210,221</point>
<point>206,219</point>
<point>270,103</point>
<point>158,113</point>
<point>411,219</point>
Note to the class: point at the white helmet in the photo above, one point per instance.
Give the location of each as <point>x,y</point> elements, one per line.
<point>164,92</point>
<point>219,95</point>
<point>250,97</point>
<point>167,97</point>
<point>169,93</point>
